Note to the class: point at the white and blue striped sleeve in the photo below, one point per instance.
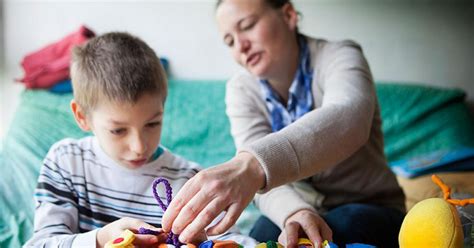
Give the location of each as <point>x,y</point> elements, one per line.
<point>56,213</point>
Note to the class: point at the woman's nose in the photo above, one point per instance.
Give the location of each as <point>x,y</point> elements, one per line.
<point>243,45</point>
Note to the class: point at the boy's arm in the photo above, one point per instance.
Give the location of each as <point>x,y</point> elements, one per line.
<point>54,227</point>
<point>56,221</point>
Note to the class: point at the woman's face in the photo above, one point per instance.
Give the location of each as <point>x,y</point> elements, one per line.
<point>260,37</point>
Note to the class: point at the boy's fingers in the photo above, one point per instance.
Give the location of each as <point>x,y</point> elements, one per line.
<point>147,239</point>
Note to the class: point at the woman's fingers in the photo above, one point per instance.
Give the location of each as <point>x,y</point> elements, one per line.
<point>191,211</point>
<point>313,232</point>
<point>289,236</point>
<point>326,232</point>
<point>198,225</point>
<point>177,204</point>
<point>229,186</point>
<point>305,223</point>
<point>230,217</point>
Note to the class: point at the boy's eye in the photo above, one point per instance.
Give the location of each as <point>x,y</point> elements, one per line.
<point>153,124</point>
<point>117,131</point>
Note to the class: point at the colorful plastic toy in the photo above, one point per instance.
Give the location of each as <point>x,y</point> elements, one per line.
<point>124,241</point>
<point>219,244</point>
<point>304,243</point>
<point>269,244</point>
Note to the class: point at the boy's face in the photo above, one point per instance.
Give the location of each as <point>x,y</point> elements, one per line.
<point>129,134</point>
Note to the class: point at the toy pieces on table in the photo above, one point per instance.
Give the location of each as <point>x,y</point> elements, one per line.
<point>302,243</point>
<point>327,244</point>
<point>305,243</point>
<point>172,246</point>
<point>269,244</point>
<point>124,241</point>
<point>219,244</point>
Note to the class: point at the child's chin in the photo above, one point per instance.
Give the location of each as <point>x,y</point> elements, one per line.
<point>132,166</point>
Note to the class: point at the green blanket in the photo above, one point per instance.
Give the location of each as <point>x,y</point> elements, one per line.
<point>417,120</point>
<point>420,120</point>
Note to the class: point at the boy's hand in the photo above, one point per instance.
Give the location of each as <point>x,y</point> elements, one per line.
<point>305,223</point>
<point>115,229</point>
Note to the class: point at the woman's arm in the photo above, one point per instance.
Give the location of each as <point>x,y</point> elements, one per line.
<point>320,139</point>
<point>329,134</point>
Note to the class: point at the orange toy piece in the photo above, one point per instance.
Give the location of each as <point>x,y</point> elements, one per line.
<point>226,244</point>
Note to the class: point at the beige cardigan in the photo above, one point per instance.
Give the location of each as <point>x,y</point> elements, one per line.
<point>338,146</point>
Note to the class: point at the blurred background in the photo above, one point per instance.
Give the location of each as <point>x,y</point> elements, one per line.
<point>414,41</point>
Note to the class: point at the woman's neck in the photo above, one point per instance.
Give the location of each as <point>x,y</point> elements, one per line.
<point>283,78</point>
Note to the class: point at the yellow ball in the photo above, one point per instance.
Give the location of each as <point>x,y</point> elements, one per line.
<point>431,223</point>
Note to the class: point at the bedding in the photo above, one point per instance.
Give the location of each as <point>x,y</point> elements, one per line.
<point>417,120</point>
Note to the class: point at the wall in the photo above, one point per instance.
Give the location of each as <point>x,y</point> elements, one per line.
<point>3,113</point>
<point>426,41</point>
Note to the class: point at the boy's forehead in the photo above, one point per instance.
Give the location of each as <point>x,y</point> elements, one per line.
<point>147,107</point>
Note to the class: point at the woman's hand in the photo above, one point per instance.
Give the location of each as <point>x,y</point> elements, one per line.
<point>227,187</point>
<point>115,229</point>
<point>305,223</point>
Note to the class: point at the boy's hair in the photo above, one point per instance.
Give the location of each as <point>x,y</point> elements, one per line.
<point>118,67</point>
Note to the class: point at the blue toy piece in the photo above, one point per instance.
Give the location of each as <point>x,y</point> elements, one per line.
<point>206,244</point>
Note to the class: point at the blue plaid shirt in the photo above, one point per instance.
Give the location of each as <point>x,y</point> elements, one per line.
<point>300,100</point>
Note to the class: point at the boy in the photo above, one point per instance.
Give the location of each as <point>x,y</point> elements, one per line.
<point>90,190</point>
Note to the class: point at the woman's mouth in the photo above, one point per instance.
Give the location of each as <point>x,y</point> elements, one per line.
<point>253,59</point>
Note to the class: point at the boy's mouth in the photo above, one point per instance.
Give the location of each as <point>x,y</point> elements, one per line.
<point>138,162</point>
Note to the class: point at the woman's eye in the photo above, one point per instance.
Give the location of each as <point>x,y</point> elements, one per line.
<point>229,42</point>
<point>153,124</point>
<point>248,25</point>
<point>117,131</point>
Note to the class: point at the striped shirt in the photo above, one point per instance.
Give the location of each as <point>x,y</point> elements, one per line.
<point>81,189</point>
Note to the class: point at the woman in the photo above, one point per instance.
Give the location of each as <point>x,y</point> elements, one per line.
<point>303,110</point>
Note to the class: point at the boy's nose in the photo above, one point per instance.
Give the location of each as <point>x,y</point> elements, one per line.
<point>138,145</point>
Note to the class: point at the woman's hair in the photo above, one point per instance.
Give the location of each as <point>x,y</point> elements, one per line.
<point>275,4</point>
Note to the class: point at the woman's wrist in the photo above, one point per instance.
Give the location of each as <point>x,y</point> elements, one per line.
<point>253,169</point>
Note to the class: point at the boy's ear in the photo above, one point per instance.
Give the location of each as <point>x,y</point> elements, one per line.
<point>80,116</point>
